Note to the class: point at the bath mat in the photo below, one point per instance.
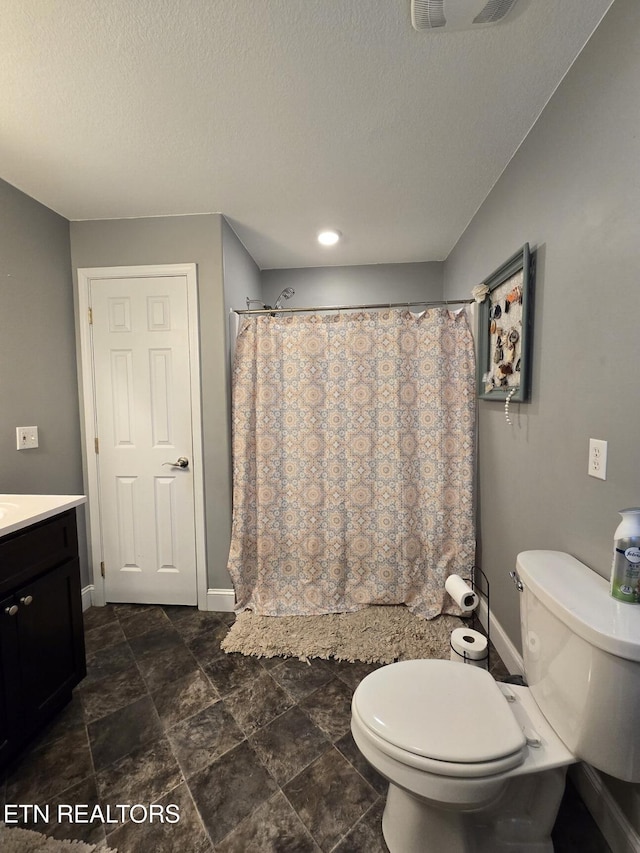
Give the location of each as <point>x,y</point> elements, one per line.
<point>14,840</point>
<point>375,634</point>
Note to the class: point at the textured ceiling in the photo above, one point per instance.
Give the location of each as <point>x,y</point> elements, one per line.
<point>285,115</point>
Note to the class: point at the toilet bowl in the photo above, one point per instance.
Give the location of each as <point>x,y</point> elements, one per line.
<point>472,765</point>
<point>479,767</point>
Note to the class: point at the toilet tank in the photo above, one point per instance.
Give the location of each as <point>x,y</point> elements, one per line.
<point>581,652</point>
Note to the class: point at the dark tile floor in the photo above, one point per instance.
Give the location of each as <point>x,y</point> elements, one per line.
<point>257,755</point>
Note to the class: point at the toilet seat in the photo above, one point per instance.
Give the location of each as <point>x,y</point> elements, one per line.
<point>442,717</point>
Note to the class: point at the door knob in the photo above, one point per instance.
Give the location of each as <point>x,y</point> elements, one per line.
<point>26,600</point>
<point>181,462</point>
<point>11,611</point>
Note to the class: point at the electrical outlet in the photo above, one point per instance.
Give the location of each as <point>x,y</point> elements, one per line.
<point>597,458</point>
<point>26,437</point>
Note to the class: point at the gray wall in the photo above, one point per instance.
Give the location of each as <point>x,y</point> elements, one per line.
<point>355,285</point>
<point>241,273</point>
<point>37,344</point>
<point>241,280</point>
<point>573,192</point>
<point>183,239</point>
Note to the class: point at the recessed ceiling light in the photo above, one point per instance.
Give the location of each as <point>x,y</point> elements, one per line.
<point>328,238</point>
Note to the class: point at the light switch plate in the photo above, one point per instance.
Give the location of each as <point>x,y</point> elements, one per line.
<point>26,437</point>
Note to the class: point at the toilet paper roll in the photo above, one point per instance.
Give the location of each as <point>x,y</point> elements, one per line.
<point>466,599</point>
<point>469,647</point>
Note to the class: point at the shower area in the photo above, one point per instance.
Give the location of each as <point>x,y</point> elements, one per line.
<point>353,456</point>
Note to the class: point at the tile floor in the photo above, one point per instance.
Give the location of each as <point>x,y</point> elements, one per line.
<point>257,754</point>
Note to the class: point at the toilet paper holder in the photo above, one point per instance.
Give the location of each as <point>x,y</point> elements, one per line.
<point>469,646</point>
<point>479,583</point>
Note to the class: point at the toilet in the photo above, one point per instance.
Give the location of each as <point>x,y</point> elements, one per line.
<point>478,766</point>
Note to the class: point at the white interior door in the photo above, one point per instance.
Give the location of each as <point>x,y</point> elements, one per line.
<point>143,416</point>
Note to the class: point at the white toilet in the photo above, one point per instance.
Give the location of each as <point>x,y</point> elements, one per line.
<point>475,766</point>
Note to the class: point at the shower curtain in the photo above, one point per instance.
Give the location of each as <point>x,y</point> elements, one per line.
<point>353,446</point>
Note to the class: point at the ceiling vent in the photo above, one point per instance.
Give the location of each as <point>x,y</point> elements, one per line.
<point>449,15</point>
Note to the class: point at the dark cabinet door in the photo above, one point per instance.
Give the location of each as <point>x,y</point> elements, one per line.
<point>50,641</point>
<point>10,699</point>
<point>41,631</point>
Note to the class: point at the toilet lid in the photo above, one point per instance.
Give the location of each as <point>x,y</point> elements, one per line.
<point>439,709</point>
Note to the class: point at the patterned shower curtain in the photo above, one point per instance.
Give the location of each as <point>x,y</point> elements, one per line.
<point>353,446</point>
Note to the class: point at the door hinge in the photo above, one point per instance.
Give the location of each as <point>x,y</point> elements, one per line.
<point>91,316</point>
<point>97,444</point>
<point>102,569</point>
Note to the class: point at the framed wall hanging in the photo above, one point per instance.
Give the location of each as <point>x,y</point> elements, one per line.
<point>504,339</point>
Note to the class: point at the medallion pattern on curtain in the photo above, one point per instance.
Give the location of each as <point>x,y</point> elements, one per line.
<point>353,449</point>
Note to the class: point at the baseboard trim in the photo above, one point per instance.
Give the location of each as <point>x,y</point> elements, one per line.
<point>222,600</point>
<point>612,822</point>
<point>511,657</point>
<point>87,597</point>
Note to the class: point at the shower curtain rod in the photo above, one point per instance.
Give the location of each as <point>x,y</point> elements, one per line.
<point>353,307</point>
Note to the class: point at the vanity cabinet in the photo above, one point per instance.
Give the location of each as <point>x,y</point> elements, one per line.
<point>41,632</point>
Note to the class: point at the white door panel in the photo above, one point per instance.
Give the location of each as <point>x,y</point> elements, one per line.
<point>144,423</point>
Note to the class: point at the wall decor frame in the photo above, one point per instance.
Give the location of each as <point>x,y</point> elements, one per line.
<point>505,330</point>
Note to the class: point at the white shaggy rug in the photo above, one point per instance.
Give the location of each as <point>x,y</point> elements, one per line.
<point>373,635</point>
<point>14,840</point>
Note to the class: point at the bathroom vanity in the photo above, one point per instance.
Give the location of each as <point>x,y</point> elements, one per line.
<point>41,632</point>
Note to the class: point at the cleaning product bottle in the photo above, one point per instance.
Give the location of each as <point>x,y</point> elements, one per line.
<point>625,571</point>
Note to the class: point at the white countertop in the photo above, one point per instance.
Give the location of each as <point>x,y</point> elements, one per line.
<point>18,511</point>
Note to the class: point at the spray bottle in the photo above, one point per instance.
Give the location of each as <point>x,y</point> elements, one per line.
<point>625,571</point>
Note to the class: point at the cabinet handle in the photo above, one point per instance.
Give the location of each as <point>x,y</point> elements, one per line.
<point>26,600</point>
<point>11,611</point>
